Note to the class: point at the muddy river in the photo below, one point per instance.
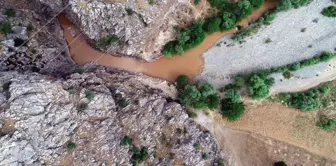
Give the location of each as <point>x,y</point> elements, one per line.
<point>190,63</point>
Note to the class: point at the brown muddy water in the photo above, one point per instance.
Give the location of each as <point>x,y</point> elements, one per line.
<point>190,63</point>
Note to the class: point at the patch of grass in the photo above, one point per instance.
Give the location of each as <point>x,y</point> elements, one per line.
<point>71,146</point>
<point>106,42</point>
<point>326,124</point>
<point>5,28</point>
<point>10,12</point>
<point>329,11</point>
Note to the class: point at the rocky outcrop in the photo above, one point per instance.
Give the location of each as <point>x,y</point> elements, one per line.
<point>142,27</point>
<point>41,115</point>
<point>35,42</point>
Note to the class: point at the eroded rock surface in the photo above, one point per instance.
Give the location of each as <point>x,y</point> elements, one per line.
<point>40,115</point>
<point>143,27</point>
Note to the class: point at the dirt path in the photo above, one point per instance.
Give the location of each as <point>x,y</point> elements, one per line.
<point>189,64</point>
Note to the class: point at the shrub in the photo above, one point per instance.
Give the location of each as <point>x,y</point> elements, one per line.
<point>10,12</point>
<point>232,110</point>
<point>182,81</point>
<point>126,141</point>
<point>192,114</point>
<point>229,21</point>
<point>239,81</point>
<point>287,74</point>
<point>329,11</point>
<point>106,42</point>
<point>257,87</point>
<point>207,89</point>
<point>326,56</point>
<point>190,95</point>
<point>268,17</point>
<point>71,146</point>
<point>325,90</point>
<point>212,25</point>
<point>139,155</point>
<point>256,4</point>
<point>326,124</point>
<point>270,81</point>
<point>233,94</point>
<point>205,156</point>
<point>244,9</point>
<point>213,102</point>
<point>284,5</point>
<point>299,3</point>
<point>294,67</point>
<point>197,146</point>
<point>305,101</point>
<point>89,95</point>
<point>79,70</point>
<point>280,163</point>
<point>129,11</point>
<point>5,27</point>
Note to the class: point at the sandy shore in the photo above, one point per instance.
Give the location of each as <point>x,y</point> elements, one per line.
<point>288,45</point>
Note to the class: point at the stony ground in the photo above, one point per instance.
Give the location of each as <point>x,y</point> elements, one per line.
<point>288,44</point>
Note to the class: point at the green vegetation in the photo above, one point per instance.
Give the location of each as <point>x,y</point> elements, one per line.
<point>5,28</point>
<point>139,155</point>
<point>79,70</point>
<point>256,4</point>
<point>82,106</point>
<point>106,42</point>
<point>197,146</point>
<point>232,110</point>
<point>205,156</point>
<point>229,15</point>
<point>329,11</point>
<point>126,141</point>
<point>10,12</point>
<point>280,163</point>
<point>258,87</point>
<point>182,81</point>
<point>191,114</point>
<point>287,74</point>
<point>196,2</point>
<point>268,40</point>
<point>284,5</point>
<point>89,95</point>
<point>151,2</point>
<point>71,146</point>
<point>129,11</point>
<point>200,97</point>
<point>326,124</point>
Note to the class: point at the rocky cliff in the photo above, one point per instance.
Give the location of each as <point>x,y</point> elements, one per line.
<point>50,115</point>
<point>139,28</point>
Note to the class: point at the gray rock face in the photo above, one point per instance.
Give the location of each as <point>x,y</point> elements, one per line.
<point>40,115</point>
<point>33,45</point>
<point>142,26</point>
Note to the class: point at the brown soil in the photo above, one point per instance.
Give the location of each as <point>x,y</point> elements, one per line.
<point>285,124</point>
<point>166,68</point>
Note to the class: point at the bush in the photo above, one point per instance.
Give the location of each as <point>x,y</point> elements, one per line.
<point>268,17</point>
<point>287,74</point>
<point>239,81</point>
<point>126,141</point>
<point>197,2</point>
<point>82,106</point>
<point>71,146</point>
<point>139,155</point>
<point>106,42</point>
<point>280,163</point>
<point>89,95</point>
<point>232,110</point>
<point>284,5</point>
<point>10,12</point>
<point>325,90</point>
<point>233,94</point>
<point>129,11</point>
<point>5,28</point>
<point>326,124</point>
<point>257,87</point>
<point>244,9</point>
<point>182,81</point>
<point>270,81</point>
<point>190,95</point>
<point>299,3</point>
<point>329,11</point>
<point>294,67</point>
<point>229,21</point>
<point>212,25</point>
<point>305,101</point>
<point>256,4</point>
<point>213,102</point>
<point>207,89</point>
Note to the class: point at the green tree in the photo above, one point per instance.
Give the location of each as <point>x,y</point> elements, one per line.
<point>182,81</point>
<point>207,89</point>
<point>256,4</point>
<point>212,24</point>
<point>233,94</point>
<point>213,102</point>
<point>284,5</point>
<point>229,21</point>
<point>305,102</point>
<point>232,110</point>
<point>244,9</point>
<point>299,3</point>
<point>190,95</point>
<point>329,11</point>
<point>258,88</point>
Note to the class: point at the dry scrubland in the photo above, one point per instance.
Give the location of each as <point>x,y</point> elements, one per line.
<point>289,44</point>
